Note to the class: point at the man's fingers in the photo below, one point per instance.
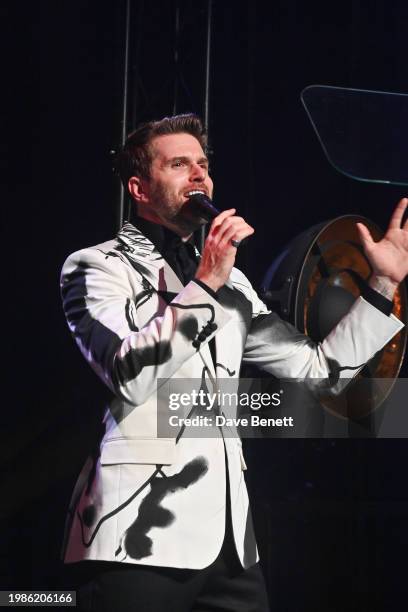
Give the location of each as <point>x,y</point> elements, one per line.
<point>221,217</point>
<point>395,222</point>
<point>235,228</point>
<point>365,235</point>
<point>222,223</point>
<point>236,233</point>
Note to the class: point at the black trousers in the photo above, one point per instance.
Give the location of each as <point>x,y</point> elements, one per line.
<point>134,588</point>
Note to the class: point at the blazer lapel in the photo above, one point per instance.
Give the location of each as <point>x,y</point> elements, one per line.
<point>147,260</point>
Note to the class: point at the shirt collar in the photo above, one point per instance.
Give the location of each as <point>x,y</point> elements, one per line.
<point>163,239</point>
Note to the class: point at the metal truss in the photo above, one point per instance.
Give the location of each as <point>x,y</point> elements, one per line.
<point>166,66</point>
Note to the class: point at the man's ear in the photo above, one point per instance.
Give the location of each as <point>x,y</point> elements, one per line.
<point>138,189</point>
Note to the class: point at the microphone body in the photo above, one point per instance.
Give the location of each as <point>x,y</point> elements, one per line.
<point>199,206</point>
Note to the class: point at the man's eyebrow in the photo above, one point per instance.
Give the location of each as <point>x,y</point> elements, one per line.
<point>185,159</point>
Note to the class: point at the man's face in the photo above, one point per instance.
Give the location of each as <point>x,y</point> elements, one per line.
<point>178,169</point>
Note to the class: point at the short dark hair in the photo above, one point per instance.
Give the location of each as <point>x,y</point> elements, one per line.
<point>136,157</point>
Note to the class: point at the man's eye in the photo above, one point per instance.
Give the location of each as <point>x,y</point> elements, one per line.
<point>177,164</point>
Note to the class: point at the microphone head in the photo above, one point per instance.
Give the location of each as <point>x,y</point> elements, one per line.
<point>199,206</point>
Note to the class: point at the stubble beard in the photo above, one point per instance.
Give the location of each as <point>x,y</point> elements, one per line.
<point>172,212</point>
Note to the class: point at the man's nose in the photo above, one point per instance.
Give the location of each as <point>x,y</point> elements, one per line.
<point>197,173</point>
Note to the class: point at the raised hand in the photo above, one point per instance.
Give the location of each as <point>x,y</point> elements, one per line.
<point>389,256</point>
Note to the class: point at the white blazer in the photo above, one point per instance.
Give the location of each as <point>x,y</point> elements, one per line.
<point>161,501</point>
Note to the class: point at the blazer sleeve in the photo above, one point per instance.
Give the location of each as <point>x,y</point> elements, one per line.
<point>280,349</point>
<point>99,303</point>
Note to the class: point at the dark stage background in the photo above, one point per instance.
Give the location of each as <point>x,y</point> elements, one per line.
<point>331,515</point>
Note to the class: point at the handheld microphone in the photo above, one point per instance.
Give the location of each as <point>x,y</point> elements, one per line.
<point>200,206</point>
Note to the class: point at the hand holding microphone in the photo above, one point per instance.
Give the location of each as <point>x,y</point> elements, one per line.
<point>220,248</point>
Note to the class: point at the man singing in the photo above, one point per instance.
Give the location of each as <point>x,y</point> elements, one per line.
<point>164,523</point>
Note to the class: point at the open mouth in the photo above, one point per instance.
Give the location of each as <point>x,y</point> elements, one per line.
<point>195,192</point>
